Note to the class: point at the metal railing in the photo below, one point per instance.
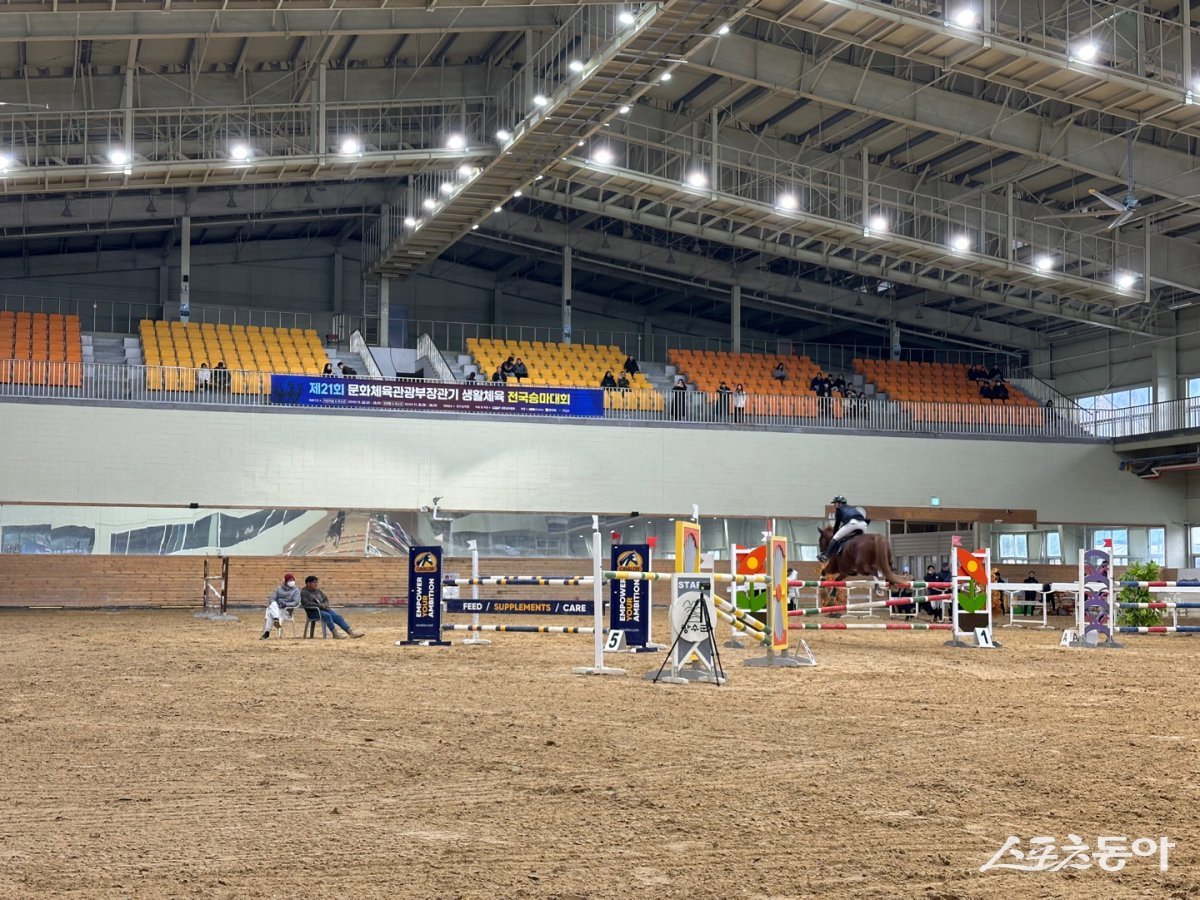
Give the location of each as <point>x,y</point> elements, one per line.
<point>656,347</point>
<point>185,386</point>
<point>123,316</point>
<point>427,349</point>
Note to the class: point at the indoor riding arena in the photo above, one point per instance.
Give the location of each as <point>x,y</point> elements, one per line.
<point>599,450</point>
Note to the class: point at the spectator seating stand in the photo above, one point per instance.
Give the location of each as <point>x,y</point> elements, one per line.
<point>40,349</point>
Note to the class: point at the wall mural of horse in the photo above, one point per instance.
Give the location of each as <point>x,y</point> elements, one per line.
<point>863,556</point>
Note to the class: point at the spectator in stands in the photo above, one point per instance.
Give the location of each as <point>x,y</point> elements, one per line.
<point>839,385</point>
<point>723,393</point>
<point>815,382</point>
<point>471,376</point>
<point>739,403</point>
<point>678,398</point>
<point>203,377</point>
<point>220,377</point>
<point>1030,596</point>
<point>999,391</point>
<point>779,373</point>
<point>519,370</point>
<point>943,576</point>
<point>508,367</point>
<point>282,601</point>
<point>995,373</point>
<point>313,598</point>
<point>623,380</point>
<point>631,366</point>
<point>905,608</point>
<point>499,375</point>
<point>347,370</point>
<point>328,370</point>
<point>608,381</point>
<point>985,390</point>
<point>825,394</point>
<point>976,372</point>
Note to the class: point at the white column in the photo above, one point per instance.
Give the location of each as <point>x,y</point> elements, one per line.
<point>185,268</point>
<point>385,284</point>
<point>735,318</point>
<point>566,295</point>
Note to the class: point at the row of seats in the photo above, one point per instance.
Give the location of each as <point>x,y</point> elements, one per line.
<point>929,382</point>
<point>242,348</point>
<point>754,371</point>
<point>40,348</point>
<point>560,365</point>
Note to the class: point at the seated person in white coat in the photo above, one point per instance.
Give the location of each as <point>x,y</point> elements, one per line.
<point>282,601</point>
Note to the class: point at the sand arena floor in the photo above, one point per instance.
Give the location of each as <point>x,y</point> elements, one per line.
<point>152,754</point>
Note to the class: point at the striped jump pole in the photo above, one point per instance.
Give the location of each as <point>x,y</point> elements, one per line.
<point>740,627</point>
<point>1163,605</point>
<point>732,612</point>
<point>523,629</point>
<point>1158,629</point>
<point>874,626</point>
<point>873,604</point>
<point>1186,583</point>
<point>943,585</point>
<point>521,580</point>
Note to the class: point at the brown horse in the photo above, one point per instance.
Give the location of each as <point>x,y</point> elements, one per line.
<point>864,556</point>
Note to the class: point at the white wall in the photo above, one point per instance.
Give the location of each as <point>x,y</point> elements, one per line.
<point>90,455</point>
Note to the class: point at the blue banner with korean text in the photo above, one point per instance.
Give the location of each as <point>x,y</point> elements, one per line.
<point>367,393</point>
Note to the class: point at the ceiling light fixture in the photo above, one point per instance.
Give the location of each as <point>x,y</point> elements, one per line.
<point>602,156</point>
<point>575,65</point>
<point>1086,52</point>
<point>664,77</point>
<point>723,30</point>
<point>697,179</point>
<point>516,193</point>
<point>788,201</point>
<point>410,222</point>
<point>960,242</point>
<point>1043,263</point>
<point>624,110</point>
<point>456,142</point>
<point>446,187</point>
<point>118,157</point>
<point>878,224</point>
<point>965,18</point>
<point>625,17</point>
<point>465,171</point>
<point>239,152</point>
<point>497,209</point>
<point>504,135</point>
<point>429,203</point>
<point>1125,280</point>
<point>540,100</point>
<point>350,146</point>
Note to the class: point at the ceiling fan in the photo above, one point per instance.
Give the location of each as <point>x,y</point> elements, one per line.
<point>1123,209</point>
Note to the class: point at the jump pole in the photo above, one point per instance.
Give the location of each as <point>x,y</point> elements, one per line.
<point>597,667</point>
<point>474,639</point>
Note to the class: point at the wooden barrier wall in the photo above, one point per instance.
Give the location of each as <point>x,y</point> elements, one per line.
<point>167,581</point>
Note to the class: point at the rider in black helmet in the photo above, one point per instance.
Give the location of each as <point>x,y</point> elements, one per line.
<point>847,522</point>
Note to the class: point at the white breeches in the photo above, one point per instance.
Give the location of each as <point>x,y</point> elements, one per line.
<point>854,526</point>
<point>274,611</point>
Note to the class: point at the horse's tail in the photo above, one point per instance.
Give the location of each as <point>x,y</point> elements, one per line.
<point>883,555</point>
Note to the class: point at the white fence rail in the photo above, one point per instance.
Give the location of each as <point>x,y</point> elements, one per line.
<point>100,382</point>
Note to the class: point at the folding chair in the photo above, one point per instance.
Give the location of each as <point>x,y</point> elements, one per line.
<point>287,618</point>
<point>310,627</point>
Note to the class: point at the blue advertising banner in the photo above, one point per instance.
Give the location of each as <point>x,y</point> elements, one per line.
<point>522,607</point>
<point>629,601</point>
<point>425,596</point>
<point>366,393</point>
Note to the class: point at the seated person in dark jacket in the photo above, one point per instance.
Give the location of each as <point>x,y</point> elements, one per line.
<point>999,391</point>
<point>508,368</point>
<point>631,365</point>
<point>220,377</point>
<point>623,380</point>
<point>519,370</point>
<point>985,391</point>
<point>347,370</point>
<point>995,373</point>
<point>839,384</point>
<point>313,599</point>
<point>608,381</point>
<point>499,376</point>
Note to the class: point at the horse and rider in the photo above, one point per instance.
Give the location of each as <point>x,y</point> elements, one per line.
<point>847,550</point>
